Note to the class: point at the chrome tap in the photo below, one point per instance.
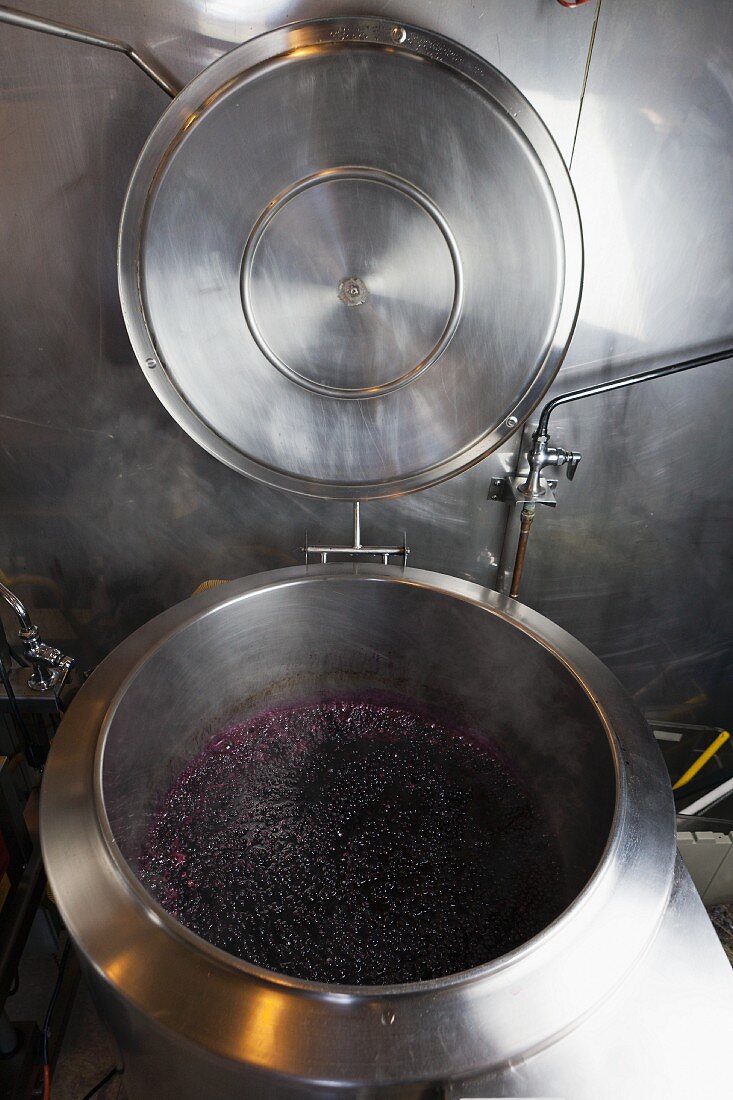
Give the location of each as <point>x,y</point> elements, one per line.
<point>541,455</point>
<point>49,665</point>
<point>533,489</point>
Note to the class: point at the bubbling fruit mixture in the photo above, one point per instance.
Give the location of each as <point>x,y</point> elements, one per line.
<point>354,842</point>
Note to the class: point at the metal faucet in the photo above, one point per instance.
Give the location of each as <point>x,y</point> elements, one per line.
<point>532,490</point>
<point>49,665</point>
<point>539,456</point>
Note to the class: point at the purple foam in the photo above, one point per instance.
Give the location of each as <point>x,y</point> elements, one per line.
<point>355,842</point>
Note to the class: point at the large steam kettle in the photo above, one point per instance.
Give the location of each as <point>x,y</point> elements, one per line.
<point>350,263</point>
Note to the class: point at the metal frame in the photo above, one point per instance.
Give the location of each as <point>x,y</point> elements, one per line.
<point>357,548</point>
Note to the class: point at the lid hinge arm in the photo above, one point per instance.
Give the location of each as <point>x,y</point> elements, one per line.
<point>63,30</point>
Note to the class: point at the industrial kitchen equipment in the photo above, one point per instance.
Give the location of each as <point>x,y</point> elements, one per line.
<point>350,263</point>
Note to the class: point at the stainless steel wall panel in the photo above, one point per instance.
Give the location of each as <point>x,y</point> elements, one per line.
<point>636,560</point>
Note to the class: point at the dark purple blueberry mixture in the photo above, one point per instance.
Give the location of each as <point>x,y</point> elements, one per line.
<point>353,842</point>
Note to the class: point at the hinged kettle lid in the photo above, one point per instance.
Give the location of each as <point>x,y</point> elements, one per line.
<point>350,258</point>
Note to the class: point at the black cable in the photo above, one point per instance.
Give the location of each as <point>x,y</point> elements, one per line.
<point>52,1001</point>
<point>100,1084</point>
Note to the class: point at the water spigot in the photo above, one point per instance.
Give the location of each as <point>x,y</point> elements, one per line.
<point>49,665</point>
<point>541,455</point>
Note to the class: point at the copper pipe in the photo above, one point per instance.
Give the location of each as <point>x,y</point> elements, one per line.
<point>528,511</point>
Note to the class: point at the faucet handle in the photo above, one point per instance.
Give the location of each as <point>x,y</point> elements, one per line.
<point>573,459</point>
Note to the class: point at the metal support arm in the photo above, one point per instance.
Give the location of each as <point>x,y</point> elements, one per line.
<point>357,549</point>
<point>63,30</point>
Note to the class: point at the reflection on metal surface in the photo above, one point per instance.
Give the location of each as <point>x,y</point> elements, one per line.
<point>261,1030</point>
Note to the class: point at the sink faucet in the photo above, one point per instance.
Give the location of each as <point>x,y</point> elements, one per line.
<point>49,665</point>
<point>541,455</point>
